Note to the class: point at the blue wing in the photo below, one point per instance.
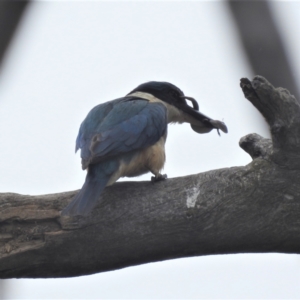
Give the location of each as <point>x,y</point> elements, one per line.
<point>120,126</point>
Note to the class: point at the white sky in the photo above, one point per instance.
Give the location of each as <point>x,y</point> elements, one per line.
<point>70,56</point>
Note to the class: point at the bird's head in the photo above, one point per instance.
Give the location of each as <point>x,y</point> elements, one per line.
<point>172,95</point>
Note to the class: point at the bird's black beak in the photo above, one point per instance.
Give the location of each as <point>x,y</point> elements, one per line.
<point>205,120</point>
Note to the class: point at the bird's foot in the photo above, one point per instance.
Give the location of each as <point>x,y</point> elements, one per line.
<point>159,177</point>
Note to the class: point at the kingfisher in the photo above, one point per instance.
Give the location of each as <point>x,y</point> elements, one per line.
<point>126,137</point>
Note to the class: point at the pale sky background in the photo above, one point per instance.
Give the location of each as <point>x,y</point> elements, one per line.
<point>68,57</point>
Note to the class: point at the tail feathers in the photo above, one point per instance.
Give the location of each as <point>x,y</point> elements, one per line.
<point>87,197</point>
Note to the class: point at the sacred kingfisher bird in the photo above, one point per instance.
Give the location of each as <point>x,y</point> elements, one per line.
<point>126,137</point>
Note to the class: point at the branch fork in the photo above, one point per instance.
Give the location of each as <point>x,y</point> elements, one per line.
<point>281,110</point>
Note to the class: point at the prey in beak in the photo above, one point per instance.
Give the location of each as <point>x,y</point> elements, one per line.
<point>194,112</point>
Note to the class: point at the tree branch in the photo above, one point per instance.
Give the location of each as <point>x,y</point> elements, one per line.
<point>254,208</point>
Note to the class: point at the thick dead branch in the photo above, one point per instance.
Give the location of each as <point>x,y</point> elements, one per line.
<point>255,208</point>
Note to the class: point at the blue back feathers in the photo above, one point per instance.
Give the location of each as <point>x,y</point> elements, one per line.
<point>120,126</point>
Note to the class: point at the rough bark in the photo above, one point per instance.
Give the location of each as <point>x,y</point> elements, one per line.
<point>254,208</point>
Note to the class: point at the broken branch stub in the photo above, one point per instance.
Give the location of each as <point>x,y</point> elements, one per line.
<point>282,112</point>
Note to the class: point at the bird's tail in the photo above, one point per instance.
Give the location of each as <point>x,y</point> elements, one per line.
<point>87,197</point>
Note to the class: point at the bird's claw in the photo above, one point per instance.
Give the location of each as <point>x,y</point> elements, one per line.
<point>159,177</point>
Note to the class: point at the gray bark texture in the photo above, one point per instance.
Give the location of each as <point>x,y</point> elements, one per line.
<point>255,208</point>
